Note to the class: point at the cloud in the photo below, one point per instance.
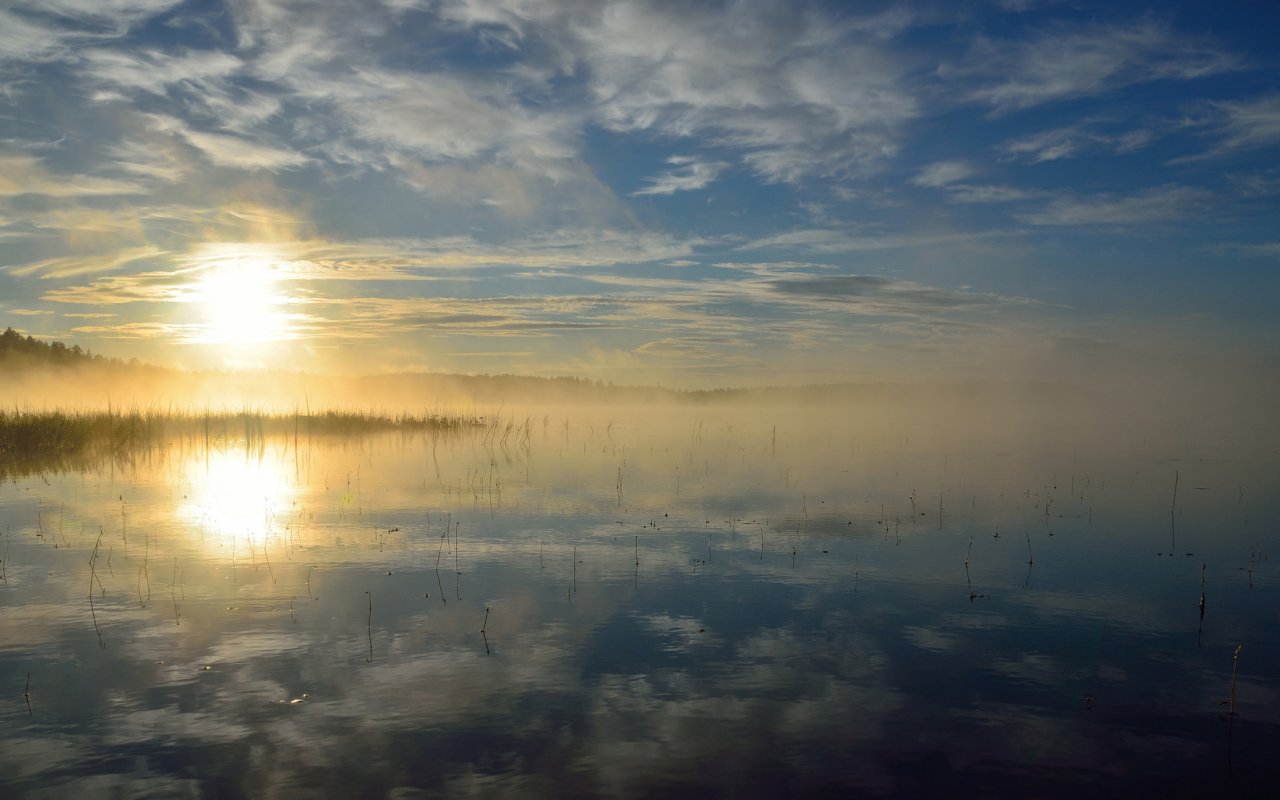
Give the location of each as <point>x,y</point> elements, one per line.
<point>21,40</point>
<point>154,71</point>
<point>230,151</point>
<point>875,294</point>
<point>20,174</point>
<point>832,240</point>
<point>700,348</point>
<point>365,260</point>
<point>690,176</point>
<point>1066,62</point>
<point>41,32</point>
<point>966,193</point>
<point>1241,126</point>
<point>441,116</point>
<point>1257,184</point>
<point>798,92</point>
<point>357,107</point>
<point>1263,249</point>
<point>112,12</point>
<point>71,266</point>
<point>144,330</point>
<point>1072,141</point>
<point>1154,205</point>
<point>941,173</point>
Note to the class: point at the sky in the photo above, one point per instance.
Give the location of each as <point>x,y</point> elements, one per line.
<point>695,194</point>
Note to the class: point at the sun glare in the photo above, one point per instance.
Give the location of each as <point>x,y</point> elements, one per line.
<point>240,304</point>
<point>236,497</point>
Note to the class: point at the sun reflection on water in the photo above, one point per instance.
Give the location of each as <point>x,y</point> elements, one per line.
<point>233,495</point>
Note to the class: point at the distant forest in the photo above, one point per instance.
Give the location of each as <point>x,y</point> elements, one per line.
<point>14,347</point>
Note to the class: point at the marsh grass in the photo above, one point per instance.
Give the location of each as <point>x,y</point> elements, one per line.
<point>39,441</point>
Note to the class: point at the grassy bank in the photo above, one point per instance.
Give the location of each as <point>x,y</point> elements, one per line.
<point>44,440</point>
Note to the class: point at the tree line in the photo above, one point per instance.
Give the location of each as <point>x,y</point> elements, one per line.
<point>14,347</point>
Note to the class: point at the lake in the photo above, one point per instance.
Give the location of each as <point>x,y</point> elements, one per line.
<point>728,602</point>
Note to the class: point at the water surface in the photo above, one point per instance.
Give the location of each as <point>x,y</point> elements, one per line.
<point>711,603</point>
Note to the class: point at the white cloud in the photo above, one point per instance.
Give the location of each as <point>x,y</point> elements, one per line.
<point>22,40</point>
<point>1073,141</point>
<point>1067,62</point>
<point>41,33</point>
<point>153,71</point>
<point>1264,250</point>
<point>71,266</point>
<point>941,173</point>
<point>800,93</point>
<point>1048,145</point>
<point>1155,205</point>
<point>21,174</point>
<point>966,193</point>
<point>328,69</point>
<point>230,151</point>
<point>797,93</point>
<point>116,12</point>
<point>830,240</point>
<point>1257,184</point>
<point>1242,125</point>
<point>689,175</point>
<point>1251,124</point>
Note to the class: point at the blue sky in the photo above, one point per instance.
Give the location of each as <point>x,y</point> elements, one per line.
<point>695,193</point>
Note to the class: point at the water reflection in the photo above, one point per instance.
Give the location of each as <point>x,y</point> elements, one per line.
<point>652,607</point>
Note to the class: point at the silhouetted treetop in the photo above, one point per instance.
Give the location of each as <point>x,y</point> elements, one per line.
<point>15,347</point>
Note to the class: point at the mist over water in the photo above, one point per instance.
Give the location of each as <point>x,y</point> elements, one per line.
<point>889,597</point>
<point>637,398</point>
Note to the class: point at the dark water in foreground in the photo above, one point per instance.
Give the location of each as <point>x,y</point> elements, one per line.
<point>692,608</point>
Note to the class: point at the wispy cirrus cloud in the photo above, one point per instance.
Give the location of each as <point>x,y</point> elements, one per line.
<point>230,151</point>
<point>72,266</point>
<point>1153,205</point>
<point>1240,126</point>
<point>22,39</point>
<point>22,174</point>
<point>797,94</point>
<point>969,193</point>
<point>1065,62</point>
<point>878,295</point>
<point>698,348</point>
<point>690,175</point>
<point>35,30</point>
<point>118,13</point>
<point>948,176</point>
<point>155,71</point>
<point>366,260</point>
<point>1256,249</point>
<point>837,240</point>
<point>942,173</point>
<point>1073,141</point>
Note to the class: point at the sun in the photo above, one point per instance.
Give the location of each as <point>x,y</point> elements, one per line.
<point>240,303</point>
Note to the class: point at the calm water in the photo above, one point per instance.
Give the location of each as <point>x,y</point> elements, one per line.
<point>714,603</point>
